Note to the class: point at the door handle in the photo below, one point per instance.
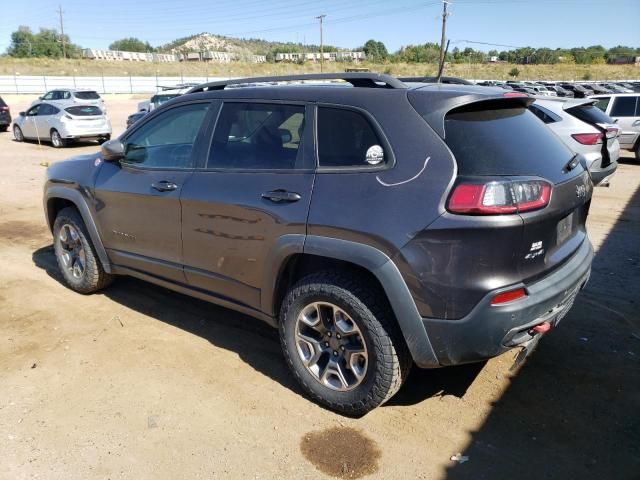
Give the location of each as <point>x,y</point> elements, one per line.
<point>164,186</point>
<point>279,196</point>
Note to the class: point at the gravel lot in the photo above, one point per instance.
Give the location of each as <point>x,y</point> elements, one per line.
<point>142,383</point>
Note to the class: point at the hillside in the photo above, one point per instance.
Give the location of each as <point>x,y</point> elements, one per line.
<point>218,43</point>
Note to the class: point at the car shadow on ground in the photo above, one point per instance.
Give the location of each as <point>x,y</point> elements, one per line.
<point>572,409</point>
<point>255,342</point>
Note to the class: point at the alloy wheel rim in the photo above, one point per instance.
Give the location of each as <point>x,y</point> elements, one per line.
<point>331,346</point>
<point>72,252</point>
<point>17,133</point>
<point>55,139</point>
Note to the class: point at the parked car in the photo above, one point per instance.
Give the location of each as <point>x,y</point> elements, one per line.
<point>73,96</point>
<point>595,88</point>
<point>624,108</point>
<point>578,90</point>
<point>62,125</point>
<point>5,116</point>
<point>561,92</point>
<point>586,130</point>
<point>469,241</point>
<point>615,88</point>
<point>157,100</point>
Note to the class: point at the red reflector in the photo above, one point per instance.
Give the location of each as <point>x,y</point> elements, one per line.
<point>544,327</point>
<point>588,138</point>
<point>510,296</point>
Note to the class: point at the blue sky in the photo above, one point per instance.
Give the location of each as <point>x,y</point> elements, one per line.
<point>536,23</point>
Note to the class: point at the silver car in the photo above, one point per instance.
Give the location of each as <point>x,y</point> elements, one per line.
<point>625,109</point>
<point>62,124</point>
<point>73,96</point>
<point>585,130</point>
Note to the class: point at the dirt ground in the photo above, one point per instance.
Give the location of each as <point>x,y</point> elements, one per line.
<point>141,383</point>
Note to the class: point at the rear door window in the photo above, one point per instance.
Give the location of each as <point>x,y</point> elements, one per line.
<point>258,136</point>
<point>344,137</point>
<point>624,107</point>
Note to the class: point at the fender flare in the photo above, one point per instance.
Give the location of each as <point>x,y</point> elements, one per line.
<point>376,262</point>
<point>75,197</point>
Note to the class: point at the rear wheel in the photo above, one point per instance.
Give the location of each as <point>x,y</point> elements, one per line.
<point>17,134</point>
<point>106,138</point>
<point>56,139</point>
<point>341,342</point>
<point>75,254</point>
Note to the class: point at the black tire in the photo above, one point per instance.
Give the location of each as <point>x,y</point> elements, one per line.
<point>637,151</point>
<point>94,277</point>
<point>389,360</point>
<point>106,138</point>
<point>4,128</point>
<point>56,139</point>
<point>17,134</point>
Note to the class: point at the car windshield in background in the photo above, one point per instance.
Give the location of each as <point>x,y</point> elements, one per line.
<point>87,111</point>
<point>159,100</point>
<point>589,114</point>
<point>89,95</point>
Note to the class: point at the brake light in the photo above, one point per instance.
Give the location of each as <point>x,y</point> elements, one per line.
<point>588,138</point>
<point>4,109</point>
<point>613,132</point>
<point>510,296</point>
<point>499,197</point>
<point>514,94</point>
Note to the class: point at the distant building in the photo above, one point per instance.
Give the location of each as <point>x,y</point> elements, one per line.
<point>340,56</point>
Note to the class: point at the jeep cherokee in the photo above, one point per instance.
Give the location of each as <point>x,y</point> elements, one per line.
<point>377,224</point>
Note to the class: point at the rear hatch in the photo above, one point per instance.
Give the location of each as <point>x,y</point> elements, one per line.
<point>500,143</point>
<point>86,116</point>
<point>589,113</point>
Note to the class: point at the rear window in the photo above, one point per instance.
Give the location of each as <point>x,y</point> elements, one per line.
<point>90,95</point>
<point>589,114</point>
<point>603,103</point>
<point>158,100</point>
<point>494,138</point>
<point>85,111</point>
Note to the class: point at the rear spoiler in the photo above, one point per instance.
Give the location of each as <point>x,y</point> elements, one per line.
<point>435,116</point>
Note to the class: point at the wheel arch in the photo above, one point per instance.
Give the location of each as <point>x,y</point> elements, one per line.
<point>57,198</point>
<point>305,255</point>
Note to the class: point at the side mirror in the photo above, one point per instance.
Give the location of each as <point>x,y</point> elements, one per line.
<point>41,98</point>
<point>112,151</point>
<point>22,114</point>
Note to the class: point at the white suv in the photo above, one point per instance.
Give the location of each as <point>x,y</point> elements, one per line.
<point>625,109</point>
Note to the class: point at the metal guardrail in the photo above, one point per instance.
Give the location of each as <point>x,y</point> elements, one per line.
<point>38,84</point>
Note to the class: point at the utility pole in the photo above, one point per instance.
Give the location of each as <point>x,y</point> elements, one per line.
<point>64,46</point>
<point>444,33</point>
<point>321,18</point>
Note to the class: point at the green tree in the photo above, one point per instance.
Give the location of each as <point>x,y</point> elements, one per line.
<point>131,44</point>
<point>375,51</point>
<point>45,43</point>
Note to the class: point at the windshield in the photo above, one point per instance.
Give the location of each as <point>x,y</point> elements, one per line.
<point>88,95</point>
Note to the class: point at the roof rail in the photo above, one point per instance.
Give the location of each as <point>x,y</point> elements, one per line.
<point>370,80</point>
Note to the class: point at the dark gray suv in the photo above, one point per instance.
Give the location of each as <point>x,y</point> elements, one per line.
<point>378,224</point>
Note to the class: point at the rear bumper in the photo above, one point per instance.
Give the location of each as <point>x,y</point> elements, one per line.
<point>5,119</point>
<point>489,330</point>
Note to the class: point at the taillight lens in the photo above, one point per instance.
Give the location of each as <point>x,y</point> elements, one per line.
<point>588,138</point>
<point>499,197</point>
<point>613,132</point>
<point>510,296</point>
<point>4,109</point>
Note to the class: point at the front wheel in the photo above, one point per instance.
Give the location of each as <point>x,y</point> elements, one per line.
<point>17,134</point>
<point>342,343</point>
<point>75,254</point>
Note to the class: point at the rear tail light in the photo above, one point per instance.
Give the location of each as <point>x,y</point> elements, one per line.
<point>514,94</point>
<point>588,138</point>
<point>4,109</point>
<point>510,296</point>
<point>613,132</point>
<point>499,197</point>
